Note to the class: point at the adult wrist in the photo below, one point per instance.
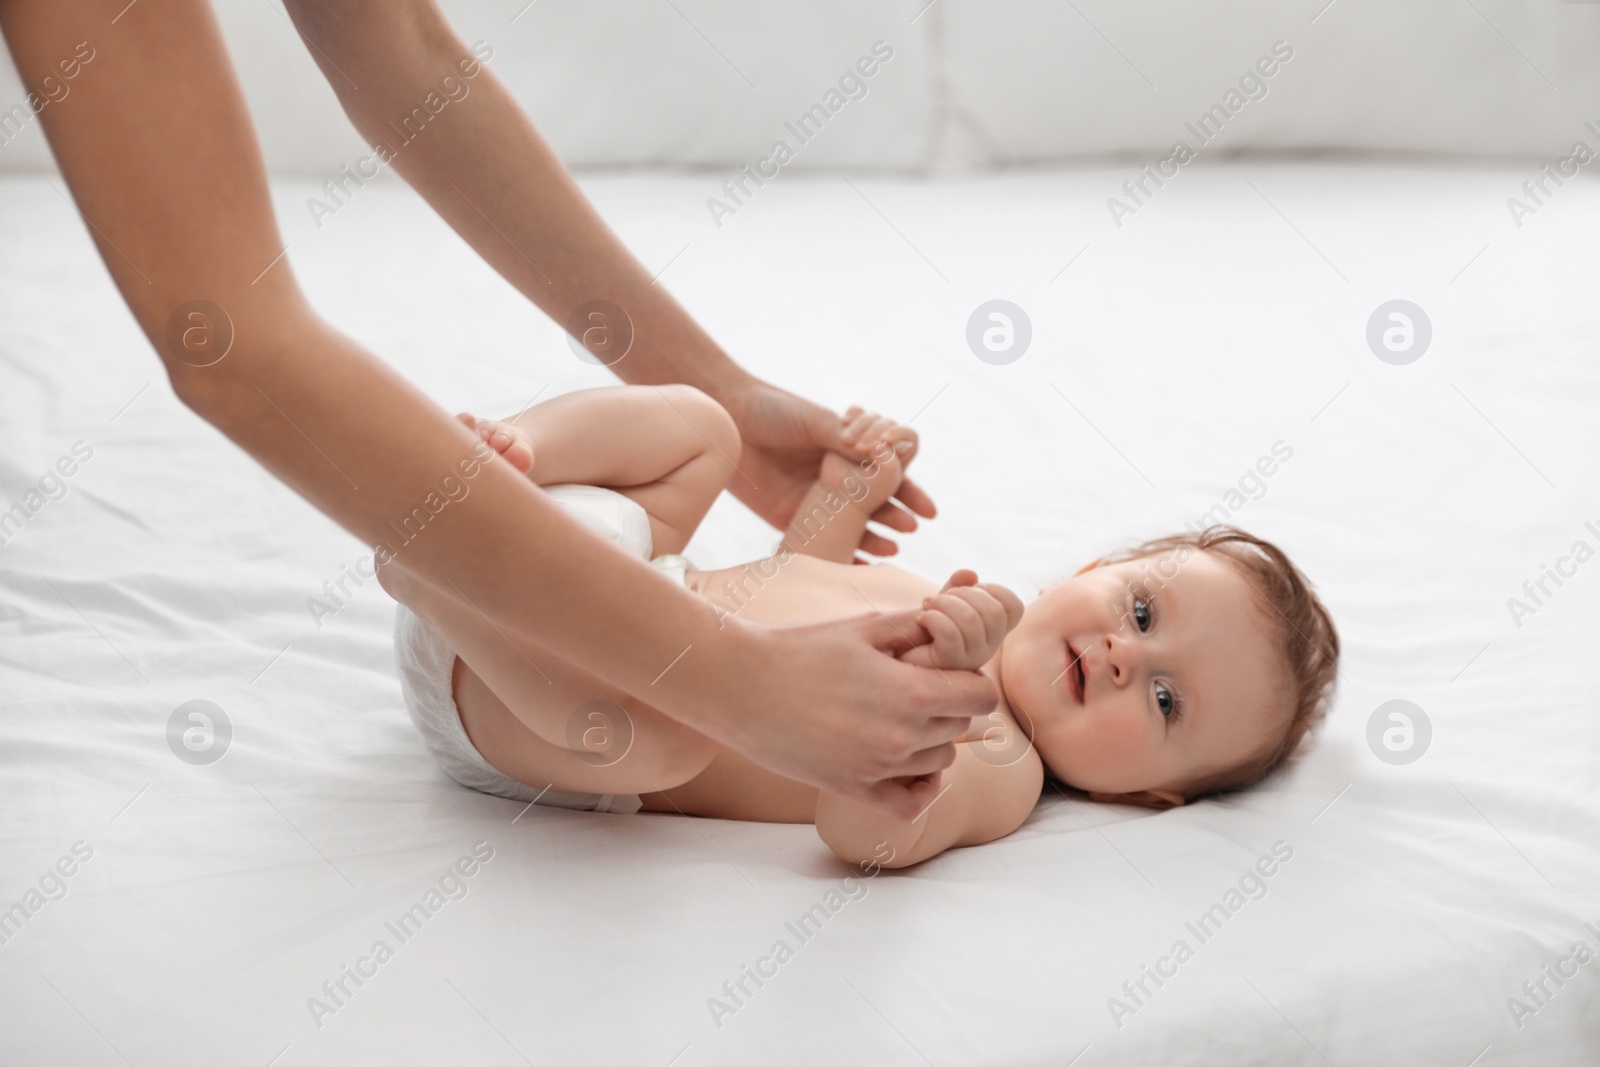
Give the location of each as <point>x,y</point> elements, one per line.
<point>712,694</point>
<point>690,358</point>
<point>727,383</point>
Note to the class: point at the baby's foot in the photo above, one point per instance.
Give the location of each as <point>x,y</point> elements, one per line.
<point>508,439</point>
<point>882,449</point>
<point>866,431</point>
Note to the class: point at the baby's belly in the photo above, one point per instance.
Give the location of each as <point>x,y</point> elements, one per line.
<point>802,590</point>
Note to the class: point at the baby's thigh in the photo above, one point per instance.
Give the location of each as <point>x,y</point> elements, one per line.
<point>679,498</point>
<point>533,714</point>
<point>611,744</point>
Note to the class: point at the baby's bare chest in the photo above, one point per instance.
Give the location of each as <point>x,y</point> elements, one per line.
<point>804,589</point>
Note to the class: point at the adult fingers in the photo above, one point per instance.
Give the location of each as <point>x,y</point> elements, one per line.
<point>940,694</point>
<point>949,643</point>
<point>958,644</point>
<point>949,699</point>
<point>930,760</point>
<point>949,729</point>
<point>893,632</point>
<point>825,429</point>
<point>877,545</point>
<point>905,799</point>
<point>895,517</point>
<point>914,497</point>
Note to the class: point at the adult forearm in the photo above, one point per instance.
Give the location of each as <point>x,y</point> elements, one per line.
<point>158,156</point>
<point>157,152</point>
<point>402,476</point>
<point>445,123</point>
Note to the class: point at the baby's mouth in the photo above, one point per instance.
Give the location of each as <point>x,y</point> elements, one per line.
<point>1075,679</point>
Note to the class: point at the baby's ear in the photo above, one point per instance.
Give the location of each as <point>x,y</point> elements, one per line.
<point>1159,799</point>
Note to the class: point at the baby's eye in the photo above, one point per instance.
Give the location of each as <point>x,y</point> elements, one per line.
<point>1165,700</point>
<point>1141,614</point>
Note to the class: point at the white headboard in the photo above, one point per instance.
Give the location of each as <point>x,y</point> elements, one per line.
<point>967,83</point>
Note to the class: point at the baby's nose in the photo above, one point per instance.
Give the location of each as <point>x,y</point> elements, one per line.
<point>1121,655</point>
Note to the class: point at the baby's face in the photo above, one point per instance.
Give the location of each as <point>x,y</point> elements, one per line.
<point>1180,676</point>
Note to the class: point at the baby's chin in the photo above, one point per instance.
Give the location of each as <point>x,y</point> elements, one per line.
<point>1027,675</point>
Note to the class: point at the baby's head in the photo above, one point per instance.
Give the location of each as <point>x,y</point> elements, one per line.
<point>1189,665</point>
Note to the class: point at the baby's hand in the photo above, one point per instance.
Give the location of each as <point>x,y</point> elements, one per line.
<point>883,448</point>
<point>966,622</point>
<point>508,439</point>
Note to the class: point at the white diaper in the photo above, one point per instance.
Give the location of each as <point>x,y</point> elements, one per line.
<point>426,663</point>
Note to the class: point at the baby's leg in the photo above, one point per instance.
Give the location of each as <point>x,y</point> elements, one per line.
<point>834,513</point>
<point>671,448</point>
<point>534,717</point>
<point>542,721</point>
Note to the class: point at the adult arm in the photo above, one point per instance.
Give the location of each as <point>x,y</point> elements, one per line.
<point>156,147</point>
<point>486,170</point>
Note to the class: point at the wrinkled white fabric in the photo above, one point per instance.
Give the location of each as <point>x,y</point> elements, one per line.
<point>1166,360</point>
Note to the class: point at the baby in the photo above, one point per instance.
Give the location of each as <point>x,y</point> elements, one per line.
<point>1187,666</point>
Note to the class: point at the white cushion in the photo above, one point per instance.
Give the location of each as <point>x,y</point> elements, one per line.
<point>971,83</point>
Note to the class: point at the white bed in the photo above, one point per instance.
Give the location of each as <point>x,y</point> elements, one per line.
<point>1227,315</point>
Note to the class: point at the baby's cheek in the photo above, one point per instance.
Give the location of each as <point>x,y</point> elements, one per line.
<point>1119,738</point>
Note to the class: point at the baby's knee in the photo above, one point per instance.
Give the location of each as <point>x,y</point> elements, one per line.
<point>391,579</point>
<point>715,426</point>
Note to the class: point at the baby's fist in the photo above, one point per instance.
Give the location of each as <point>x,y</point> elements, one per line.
<point>966,623</point>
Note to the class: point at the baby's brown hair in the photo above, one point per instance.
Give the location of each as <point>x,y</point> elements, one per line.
<point>1304,630</point>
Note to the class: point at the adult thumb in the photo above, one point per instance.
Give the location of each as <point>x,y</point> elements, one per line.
<point>946,693</point>
<point>905,798</point>
<point>824,427</point>
<point>893,632</point>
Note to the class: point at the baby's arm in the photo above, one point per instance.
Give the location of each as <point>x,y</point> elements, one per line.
<point>671,448</point>
<point>984,795</point>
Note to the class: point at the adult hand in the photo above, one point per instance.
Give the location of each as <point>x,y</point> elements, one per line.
<point>829,705</point>
<point>785,438</point>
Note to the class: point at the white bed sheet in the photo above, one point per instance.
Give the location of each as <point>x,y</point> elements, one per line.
<point>1227,315</point>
